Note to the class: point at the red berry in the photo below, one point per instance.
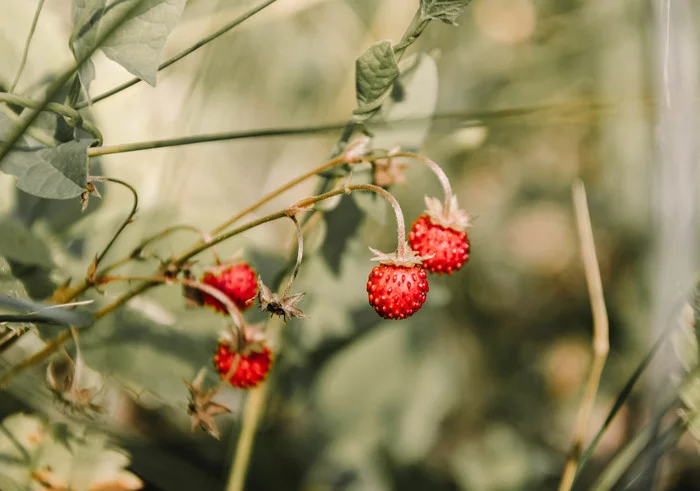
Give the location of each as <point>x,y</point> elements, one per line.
<point>237,282</point>
<point>252,367</point>
<point>449,247</point>
<point>397,292</point>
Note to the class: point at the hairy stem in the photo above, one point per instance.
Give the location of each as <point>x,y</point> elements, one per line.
<point>235,22</point>
<point>25,52</point>
<point>300,255</point>
<point>437,170</point>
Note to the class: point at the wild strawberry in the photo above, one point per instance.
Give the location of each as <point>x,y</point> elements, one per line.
<point>239,282</point>
<point>252,366</point>
<point>440,232</point>
<point>397,287</point>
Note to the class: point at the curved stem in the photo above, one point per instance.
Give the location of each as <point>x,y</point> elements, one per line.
<point>126,222</point>
<point>23,61</point>
<point>437,170</point>
<point>74,117</point>
<point>300,255</point>
<point>235,22</point>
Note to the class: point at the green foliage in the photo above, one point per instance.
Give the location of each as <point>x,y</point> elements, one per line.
<point>58,172</point>
<point>137,43</point>
<point>446,11</point>
<point>375,72</point>
<point>20,244</point>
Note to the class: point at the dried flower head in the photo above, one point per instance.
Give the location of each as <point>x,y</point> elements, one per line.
<point>284,306</point>
<point>201,407</point>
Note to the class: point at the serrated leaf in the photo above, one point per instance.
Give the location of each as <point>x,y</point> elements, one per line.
<point>58,172</point>
<point>137,44</point>
<point>21,245</point>
<point>85,16</point>
<point>409,108</point>
<point>375,72</point>
<point>446,11</point>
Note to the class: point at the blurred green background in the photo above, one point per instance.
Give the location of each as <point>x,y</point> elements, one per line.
<point>480,389</point>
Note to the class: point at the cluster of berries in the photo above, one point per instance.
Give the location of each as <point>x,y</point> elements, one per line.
<point>397,287</point>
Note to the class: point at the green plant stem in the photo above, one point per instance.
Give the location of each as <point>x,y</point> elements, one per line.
<point>35,133</point>
<point>235,22</point>
<point>74,117</point>
<point>126,222</point>
<point>27,120</point>
<point>25,52</point>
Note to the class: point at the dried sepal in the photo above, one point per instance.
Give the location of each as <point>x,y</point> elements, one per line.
<point>410,257</point>
<point>357,149</point>
<point>201,408</point>
<point>455,217</point>
<point>285,306</point>
<point>63,378</point>
<point>387,171</point>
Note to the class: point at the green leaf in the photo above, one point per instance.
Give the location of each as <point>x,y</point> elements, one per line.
<point>59,172</point>
<point>409,108</point>
<point>21,245</point>
<point>137,44</point>
<point>86,16</point>
<point>375,72</point>
<point>446,11</point>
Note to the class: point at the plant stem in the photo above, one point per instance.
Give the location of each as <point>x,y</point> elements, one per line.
<point>25,53</point>
<point>437,170</point>
<point>601,343</point>
<point>126,222</point>
<point>74,117</point>
<point>235,22</point>
<point>300,255</point>
<point>60,81</point>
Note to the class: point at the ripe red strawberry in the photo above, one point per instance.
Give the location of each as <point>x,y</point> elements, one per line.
<point>395,291</point>
<point>251,369</point>
<point>239,282</point>
<point>442,236</point>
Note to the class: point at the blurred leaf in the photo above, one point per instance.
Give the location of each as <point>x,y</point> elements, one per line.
<point>20,244</point>
<point>138,42</point>
<point>410,106</point>
<point>11,288</point>
<point>49,172</point>
<point>684,340</point>
<point>372,205</point>
<point>341,224</point>
<point>85,17</point>
<point>375,71</point>
<point>32,455</point>
<point>145,355</point>
<point>445,10</point>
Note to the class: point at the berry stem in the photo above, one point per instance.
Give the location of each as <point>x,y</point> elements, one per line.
<point>300,255</point>
<point>126,222</point>
<point>437,170</point>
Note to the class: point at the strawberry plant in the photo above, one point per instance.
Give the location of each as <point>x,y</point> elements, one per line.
<point>216,295</point>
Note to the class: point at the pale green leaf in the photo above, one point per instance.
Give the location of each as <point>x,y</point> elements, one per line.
<point>20,244</point>
<point>446,11</point>
<point>86,16</point>
<point>58,172</point>
<point>375,72</point>
<point>138,43</point>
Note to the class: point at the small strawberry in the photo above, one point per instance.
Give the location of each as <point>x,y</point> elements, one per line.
<point>239,282</point>
<point>440,232</point>
<point>397,287</point>
<point>252,365</point>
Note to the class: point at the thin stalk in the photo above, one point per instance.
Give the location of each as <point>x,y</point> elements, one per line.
<point>300,255</point>
<point>35,133</point>
<point>235,22</point>
<point>126,222</point>
<point>601,342</point>
<point>74,117</point>
<point>25,52</point>
<point>61,80</point>
<point>437,170</point>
